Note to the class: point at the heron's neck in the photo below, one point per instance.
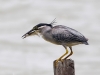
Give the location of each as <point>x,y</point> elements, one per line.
<point>46,33</point>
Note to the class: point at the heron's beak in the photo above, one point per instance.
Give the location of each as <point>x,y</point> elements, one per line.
<point>29,33</point>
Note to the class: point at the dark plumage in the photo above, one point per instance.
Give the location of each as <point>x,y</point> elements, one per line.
<point>65,34</point>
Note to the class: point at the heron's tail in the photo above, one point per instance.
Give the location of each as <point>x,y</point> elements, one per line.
<point>86,43</point>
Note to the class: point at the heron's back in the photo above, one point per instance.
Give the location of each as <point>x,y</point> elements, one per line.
<point>65,35</point>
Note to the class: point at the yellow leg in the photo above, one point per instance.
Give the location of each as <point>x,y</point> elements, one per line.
<point>70,52</point>
<point>61,57</point>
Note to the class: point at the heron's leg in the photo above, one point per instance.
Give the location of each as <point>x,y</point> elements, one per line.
<point>63,55</point>
<point>70,52</point>
<point>59,59</point>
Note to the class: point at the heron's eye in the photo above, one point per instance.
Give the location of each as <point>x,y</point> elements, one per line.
<point>35,28</point>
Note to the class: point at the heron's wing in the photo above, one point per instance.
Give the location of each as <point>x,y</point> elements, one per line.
<point>66,34</point>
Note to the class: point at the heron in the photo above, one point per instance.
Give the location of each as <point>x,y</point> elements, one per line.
<point>59,35</point>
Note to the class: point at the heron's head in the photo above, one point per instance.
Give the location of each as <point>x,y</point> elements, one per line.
<point>36,29</point>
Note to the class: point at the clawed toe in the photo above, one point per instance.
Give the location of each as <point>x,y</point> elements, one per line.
<point>58,60</point>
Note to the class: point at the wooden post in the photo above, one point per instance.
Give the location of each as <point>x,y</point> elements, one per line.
<point>65,67</point>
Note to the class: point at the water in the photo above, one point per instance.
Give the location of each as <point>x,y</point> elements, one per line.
<point>33,55</point>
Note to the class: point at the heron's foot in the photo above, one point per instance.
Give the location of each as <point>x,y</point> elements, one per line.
<point>58,60</point>
<point>62,60</point>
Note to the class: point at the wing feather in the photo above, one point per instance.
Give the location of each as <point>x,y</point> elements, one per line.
<point>65,34</point>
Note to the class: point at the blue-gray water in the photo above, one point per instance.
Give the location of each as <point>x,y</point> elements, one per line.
<point>33,55</point>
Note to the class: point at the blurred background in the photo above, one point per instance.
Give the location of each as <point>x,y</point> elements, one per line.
<point>33,55</point>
